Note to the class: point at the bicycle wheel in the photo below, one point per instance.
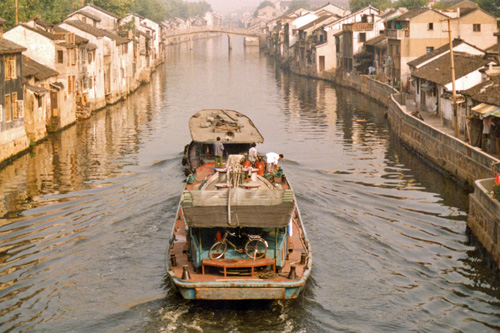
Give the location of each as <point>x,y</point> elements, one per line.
<point>217,250</point>
<point>256,248</point>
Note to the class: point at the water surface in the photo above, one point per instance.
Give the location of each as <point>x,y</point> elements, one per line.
<point>87,214</point>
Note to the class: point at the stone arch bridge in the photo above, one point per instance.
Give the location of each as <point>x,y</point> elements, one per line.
<point>187,35</point>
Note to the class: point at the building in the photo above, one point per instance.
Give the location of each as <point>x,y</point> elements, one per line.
<point>57,50</point>
<point>434,84</point>
<point>13,138</point>
<point>113,55</point>
<point>420,31</point>
<point>38,80</point>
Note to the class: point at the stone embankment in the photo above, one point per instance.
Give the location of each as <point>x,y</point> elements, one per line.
<point>429,139</point>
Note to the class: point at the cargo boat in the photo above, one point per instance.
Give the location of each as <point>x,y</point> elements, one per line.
<point>238,233</point>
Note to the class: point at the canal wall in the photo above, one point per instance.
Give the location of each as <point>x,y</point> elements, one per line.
<point>468,165</point>
<point>451,156</point>
<point>461,161</point>
<point>484,217</point>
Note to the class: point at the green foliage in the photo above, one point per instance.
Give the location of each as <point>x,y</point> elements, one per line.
<point>296,4</point>
<point>491,6</point>
<point>179,8</point>
<point>355,5</point>
<point>56,10</point>
<point>152,9</point>
<point>440,5</point>
<point>262,5</point>
<point>118,7</point>
<point>411,4</point>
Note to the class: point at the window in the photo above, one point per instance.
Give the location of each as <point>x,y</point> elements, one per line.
<point>430,26</point>
<point>8,109</point>
<point>362,37</point>
<point>429,49</point>
<point>10,67</point>
<point>60,57</point>
<point>73,57</point>
<point>476,27</point>
<point>15,109</point>
<point>71,83</point>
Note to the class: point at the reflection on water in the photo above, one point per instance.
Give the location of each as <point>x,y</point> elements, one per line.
<point>86,214</point>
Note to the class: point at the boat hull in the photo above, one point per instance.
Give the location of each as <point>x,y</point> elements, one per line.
<point>240,290</point>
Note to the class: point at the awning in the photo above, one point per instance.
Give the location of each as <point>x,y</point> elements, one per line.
<point>487,110</point>
<point>57,85</point>
<point>38,91</point>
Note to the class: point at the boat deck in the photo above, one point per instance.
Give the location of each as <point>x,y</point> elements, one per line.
<point>225,267</point>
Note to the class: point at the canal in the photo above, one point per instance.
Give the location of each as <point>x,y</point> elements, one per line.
<point>85,216</point>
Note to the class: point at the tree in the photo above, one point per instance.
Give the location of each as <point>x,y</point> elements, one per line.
<point>152,9</point>
<point>355,5</point>
<point>410,4</point>
<point>296,4</point>
<point>491,6</point>
<point>118,7</point>
<point>262,5</point>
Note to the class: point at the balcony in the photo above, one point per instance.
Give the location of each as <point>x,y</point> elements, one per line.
<point>360,26</point>
<point>397,33</point>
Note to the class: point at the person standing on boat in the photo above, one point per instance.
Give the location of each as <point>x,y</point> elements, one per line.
<point>272,161</point>
<point>252,154</point>
<point>218,149</point>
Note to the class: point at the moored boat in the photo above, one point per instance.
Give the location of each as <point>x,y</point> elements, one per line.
<point>238,233</point>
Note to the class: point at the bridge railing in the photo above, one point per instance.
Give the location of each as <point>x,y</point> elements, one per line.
<point>212,28</point>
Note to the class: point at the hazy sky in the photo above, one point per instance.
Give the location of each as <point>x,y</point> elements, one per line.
<point>227,6</point>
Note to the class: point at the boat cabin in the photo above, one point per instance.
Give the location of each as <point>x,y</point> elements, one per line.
<point>237,133</point>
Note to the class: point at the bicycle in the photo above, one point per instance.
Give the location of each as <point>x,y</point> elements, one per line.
<point>255,246</point>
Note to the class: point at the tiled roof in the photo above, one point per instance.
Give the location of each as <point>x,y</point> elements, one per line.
<point>101,10</point>
<point>411,13</point>
<point>43,23</point>
<point>439,70</point>
<point>89,15</point>
<point>430,55</point>
<point>6,46</point>
<point>37,70</point>
<point>40,31</point>
<point>96,31</point>
<point>316,21</point>
<point>486,92</point>
<point>376,40</point>
<point>78,39</point>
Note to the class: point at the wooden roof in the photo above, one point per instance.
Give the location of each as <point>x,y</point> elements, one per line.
<point>32,68</point>
<point>486,92</point>
<point>6,47</point>
<point>231,126</point>
<point>439,70</point>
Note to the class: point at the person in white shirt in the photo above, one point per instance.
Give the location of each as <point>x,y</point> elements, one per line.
<point>272,161</point>
<point>252,154</point>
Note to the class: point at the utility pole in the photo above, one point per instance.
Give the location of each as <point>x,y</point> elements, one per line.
<point>454,93</point>
<point>17,18</point>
